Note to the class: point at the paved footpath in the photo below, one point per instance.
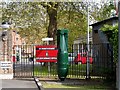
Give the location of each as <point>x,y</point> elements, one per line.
<point>18,85</point>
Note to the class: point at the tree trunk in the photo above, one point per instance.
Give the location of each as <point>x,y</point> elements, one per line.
<point>52,28</point>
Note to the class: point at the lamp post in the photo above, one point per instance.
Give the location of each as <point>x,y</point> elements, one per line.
<point>88,49</point>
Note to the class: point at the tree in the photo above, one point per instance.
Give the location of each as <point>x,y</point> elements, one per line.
<point>72,17</point>
<point>28,19</point>
<point>102,11</point>
<point>31,17</point>
<point>35,18</point>
<point>52,13</point>
<point>112,34</point>
<point>40,19</point>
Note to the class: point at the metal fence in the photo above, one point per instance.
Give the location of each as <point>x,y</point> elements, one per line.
<point>23,61</point>
<point>100,62</point>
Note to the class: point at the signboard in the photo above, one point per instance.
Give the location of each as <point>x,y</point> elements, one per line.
<point>46,53</point>
<point>5,64</point>
<point>47,39</point>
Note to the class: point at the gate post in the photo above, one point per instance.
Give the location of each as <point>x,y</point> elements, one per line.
<point>62,45</point>
<point>118,66</point>
<point>33,60</point>
<point>6,65</point>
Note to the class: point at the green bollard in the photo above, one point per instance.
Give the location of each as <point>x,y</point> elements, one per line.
<point>62,45</point>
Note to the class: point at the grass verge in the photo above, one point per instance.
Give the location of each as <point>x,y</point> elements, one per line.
<point>80,87</point>
<point>77,84</point>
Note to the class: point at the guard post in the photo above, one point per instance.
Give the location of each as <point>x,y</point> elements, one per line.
<point>62,57</point>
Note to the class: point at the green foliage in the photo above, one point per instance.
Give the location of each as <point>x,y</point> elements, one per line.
<point>32,19</point>
<point>72,19</point>
<point>28,19</point>
<point>102,13</point>
<point>112,34</point>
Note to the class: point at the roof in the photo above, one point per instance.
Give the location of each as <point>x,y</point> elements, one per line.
<point>103,21</point>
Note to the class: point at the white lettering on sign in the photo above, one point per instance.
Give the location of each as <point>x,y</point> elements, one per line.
<point>46,58</point>
<point>5,64</point>
<point>46,49</point>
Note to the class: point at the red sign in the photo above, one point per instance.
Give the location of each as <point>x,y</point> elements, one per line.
<point>46,53</point>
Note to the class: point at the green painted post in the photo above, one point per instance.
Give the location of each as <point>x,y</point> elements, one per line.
<point>62,45</point>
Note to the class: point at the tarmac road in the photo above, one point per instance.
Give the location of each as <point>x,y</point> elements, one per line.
<point>19,84</point>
